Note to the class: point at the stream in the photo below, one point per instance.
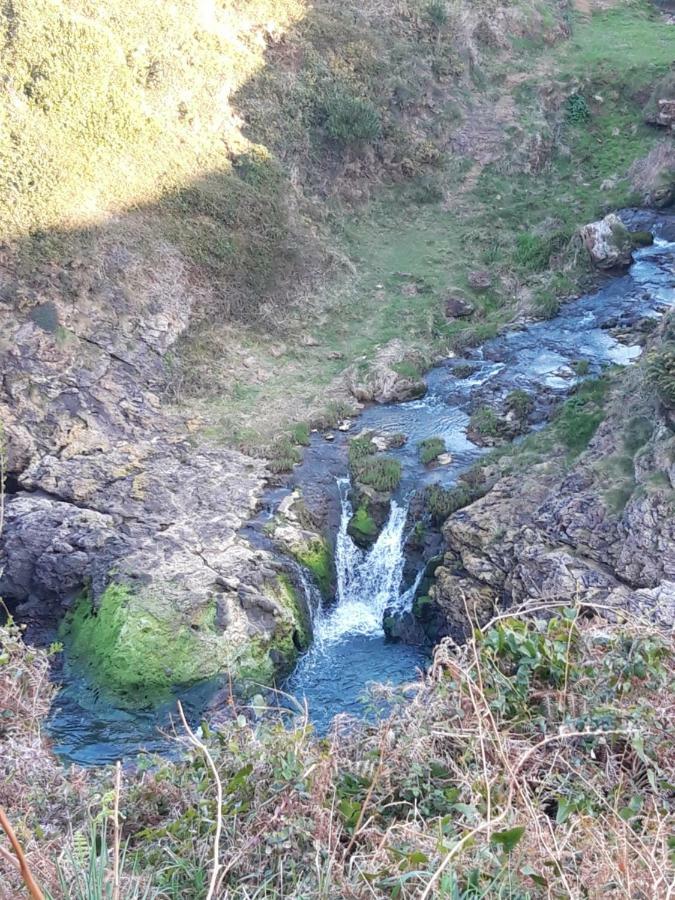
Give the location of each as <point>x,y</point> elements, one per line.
<point>349,648</point>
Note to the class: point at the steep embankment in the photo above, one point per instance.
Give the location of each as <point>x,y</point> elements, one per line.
<point>178,213</point>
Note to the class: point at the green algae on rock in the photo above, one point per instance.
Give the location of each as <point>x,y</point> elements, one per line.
<point>137,645</point>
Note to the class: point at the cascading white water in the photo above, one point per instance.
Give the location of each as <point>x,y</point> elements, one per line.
<point>368,581</point>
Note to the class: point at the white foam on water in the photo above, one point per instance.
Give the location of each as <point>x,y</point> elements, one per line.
<point>368,581</point>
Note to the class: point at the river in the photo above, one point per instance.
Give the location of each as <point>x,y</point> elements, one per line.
<point>349,648</point>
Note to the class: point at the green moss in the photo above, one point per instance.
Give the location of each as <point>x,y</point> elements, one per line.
<point>318,558</point>
<point>138,647</point>
<point>362,527</point>
<point>423,607</point>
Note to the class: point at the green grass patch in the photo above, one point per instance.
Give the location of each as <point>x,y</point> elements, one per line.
<point>430,449</point>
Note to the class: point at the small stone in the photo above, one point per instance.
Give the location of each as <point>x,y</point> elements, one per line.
<point>329,437</point>
<point>444,459</point>
<point>344,426</point>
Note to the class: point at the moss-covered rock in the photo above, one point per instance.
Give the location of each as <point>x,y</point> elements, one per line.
<point>362,528</point>
<point>317,557</point>
<point>137,646</point>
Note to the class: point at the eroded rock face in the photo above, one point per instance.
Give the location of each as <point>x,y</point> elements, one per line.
<point>602,530</point>
<point>109,488</point>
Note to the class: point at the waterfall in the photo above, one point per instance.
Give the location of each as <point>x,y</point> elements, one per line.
<point>368,581</point>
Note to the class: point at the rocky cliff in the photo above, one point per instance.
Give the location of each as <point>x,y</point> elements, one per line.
<point>599,526</point>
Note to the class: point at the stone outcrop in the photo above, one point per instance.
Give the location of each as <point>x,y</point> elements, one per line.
<point>609,243</point>
<point>393,377</point>
<point>602,529</point>
<point>107,488</point>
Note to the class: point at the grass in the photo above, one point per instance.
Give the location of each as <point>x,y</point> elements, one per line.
<point>430,449</point>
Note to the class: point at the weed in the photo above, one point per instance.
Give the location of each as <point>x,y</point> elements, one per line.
<point>577,110</point>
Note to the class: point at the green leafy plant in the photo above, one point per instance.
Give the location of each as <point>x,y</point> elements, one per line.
<point>576,109</point>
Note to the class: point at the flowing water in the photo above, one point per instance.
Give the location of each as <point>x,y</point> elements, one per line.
<point>349,648</point>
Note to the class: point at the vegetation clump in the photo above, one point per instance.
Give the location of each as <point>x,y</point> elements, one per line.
<point>368,467</point>
<point>545,731</point>
<point>486,423</point>
<point>661,373</point>
<point>430,449</point>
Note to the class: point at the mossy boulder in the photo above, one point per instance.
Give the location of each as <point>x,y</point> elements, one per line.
<point>137,646</point>
<point>362,528</point>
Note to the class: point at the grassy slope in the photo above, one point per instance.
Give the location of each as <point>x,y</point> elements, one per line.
<point>214,132</point>
<point>611,58</point>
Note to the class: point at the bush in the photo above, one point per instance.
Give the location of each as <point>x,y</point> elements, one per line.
<point>430,449</point>
<point>577,110</point>
<point>349,119</point>
<point>661,374</point>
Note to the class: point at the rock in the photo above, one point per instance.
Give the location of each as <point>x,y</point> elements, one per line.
<point>458,308</point>
<point>329,436</point>
<point>344,426</point>
<point>480,280</point>
<point>444,459</point>
<point>392,378</point>
<point>609,243</point>
<point>105,481</point>
<point>554,533</point>
<point>666,114</point>
<point>653,176</point>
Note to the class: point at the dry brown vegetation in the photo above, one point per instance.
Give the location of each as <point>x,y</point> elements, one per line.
<point>536,761</point>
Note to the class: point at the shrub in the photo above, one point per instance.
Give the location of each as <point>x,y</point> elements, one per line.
<point>581,367</point>
<point>576,109</point>
<point>430,449</point>
<point>661,374</point>
<point>349,119</point>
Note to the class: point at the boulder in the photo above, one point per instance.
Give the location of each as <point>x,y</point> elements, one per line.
<point>457,307</point>
<point>610,244</point>
<point>480,280</point>
<point>393,377</point>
